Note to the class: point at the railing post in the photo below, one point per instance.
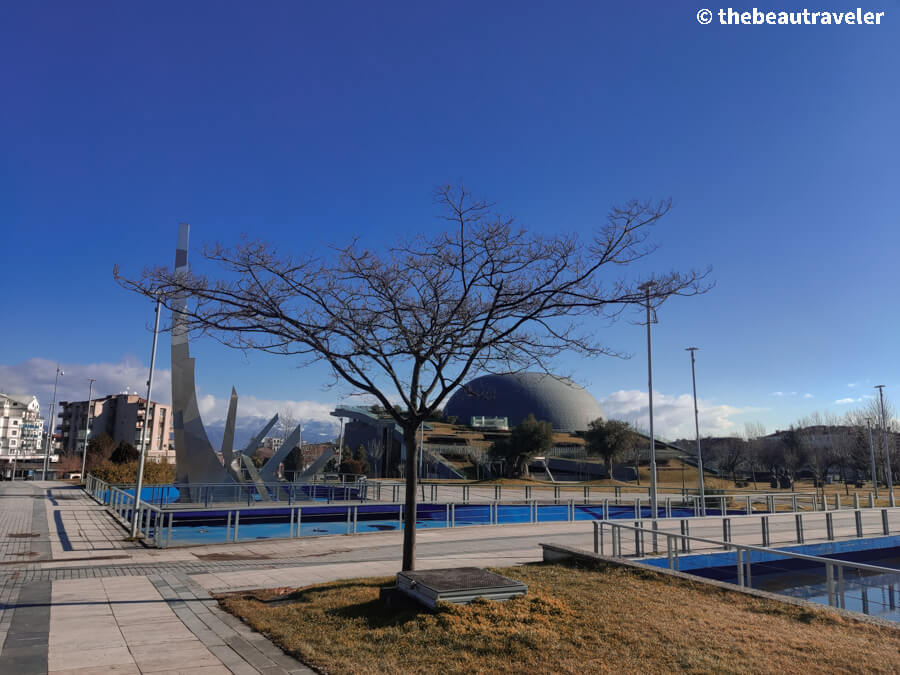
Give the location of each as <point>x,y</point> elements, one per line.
<point>596,537</point>
<point>856,500</point>
<point>668,507</point>
<point>228,526</point>
<point>798,518</point>
<point>749,505</point>
<point>771,503</point>
<point>884,522</point>
<point>740,567</point>
<point>605,512</point>
<point>840,595</point>
<point>829,526</point>
<point>824,500</point>
<point>686,532</point>
<point>829,582</point>
<point>871,501</point>
<point>764,522</point>
<point>669,554</point>
<point>556,494</point>
<point>858,518</point>
<point>453,515</point>
<point>237,521</point>
<point>637,507</point>
<point>837,501</point>
<point>169,531</point>
<point>726,530</point>
<point>447,516</point>
<point>587,494</point>
<point>722,510</point>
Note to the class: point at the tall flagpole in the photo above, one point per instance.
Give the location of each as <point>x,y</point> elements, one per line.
<point>697,430</point>
<point>140,474</point>
<point>87,428</point>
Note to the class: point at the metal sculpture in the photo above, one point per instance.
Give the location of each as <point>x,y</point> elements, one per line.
<point>196,461</point>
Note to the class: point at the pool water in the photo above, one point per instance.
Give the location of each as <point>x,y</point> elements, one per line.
<point>215,526</point>
<point>867,592</point>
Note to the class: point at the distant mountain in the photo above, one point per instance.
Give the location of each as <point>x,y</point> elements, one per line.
<point>246,427</point>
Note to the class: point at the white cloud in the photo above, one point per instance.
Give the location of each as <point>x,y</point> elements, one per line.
<point>36,376</point>
<point>808,395</point>
<point>853,385</point>
<point>784,393</point>
<point>845,401</point>
<point>673,416</point>
<point>214,409</point>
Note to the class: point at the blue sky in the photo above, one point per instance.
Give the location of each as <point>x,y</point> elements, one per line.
<point>309,123</point>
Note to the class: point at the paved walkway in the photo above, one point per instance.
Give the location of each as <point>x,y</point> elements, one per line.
<point>75,597</point>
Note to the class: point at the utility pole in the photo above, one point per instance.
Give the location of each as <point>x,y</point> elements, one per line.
<point>49,444</point>
<point>140,473</point>
<point>697,429</point>
<point>872,455</point>
<point>87,427</point>
<point>887,454</point>
<point>653,512</point>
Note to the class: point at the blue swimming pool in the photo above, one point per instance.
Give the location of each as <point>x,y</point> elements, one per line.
<point>209,526</point>
<point>873,593</point>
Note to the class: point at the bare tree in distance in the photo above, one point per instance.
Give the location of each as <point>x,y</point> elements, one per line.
<point>409,324</point>
<point>753,433</point>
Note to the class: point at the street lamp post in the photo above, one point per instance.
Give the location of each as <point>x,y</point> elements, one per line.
<point>141,458</point>
<point>872,455</point>
<point>50,428</point>
<point>87,428</point>
<point>647,287</point>
<point>887,454</point>
<point>697,430</point>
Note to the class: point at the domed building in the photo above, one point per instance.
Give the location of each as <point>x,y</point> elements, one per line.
<point>559,401</point>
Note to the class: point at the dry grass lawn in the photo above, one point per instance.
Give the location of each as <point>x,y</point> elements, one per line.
<point>572,621</point>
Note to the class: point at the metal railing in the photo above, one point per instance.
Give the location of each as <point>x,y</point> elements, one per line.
<point>857,523</point>
<point>744,554</point>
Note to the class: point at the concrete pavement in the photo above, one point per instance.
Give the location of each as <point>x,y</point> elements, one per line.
<point>75,597</point>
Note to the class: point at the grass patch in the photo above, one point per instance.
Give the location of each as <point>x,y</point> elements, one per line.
<point>572,621</point>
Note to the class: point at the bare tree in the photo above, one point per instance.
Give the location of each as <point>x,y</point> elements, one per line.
<point>408,325</point>
<point>753,433</point>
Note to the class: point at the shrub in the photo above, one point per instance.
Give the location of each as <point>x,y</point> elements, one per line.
<point>154,474</point>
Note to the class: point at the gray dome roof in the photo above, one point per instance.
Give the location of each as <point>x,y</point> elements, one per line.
<point>559,401</point>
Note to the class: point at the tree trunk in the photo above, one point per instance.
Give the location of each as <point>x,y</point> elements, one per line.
<point>409,514</point>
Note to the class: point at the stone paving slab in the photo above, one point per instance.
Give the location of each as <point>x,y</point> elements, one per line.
<point>151,610</point>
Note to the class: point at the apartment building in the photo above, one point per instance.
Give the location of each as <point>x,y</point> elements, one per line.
<point>122,417</point>
<point>21,427</point>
